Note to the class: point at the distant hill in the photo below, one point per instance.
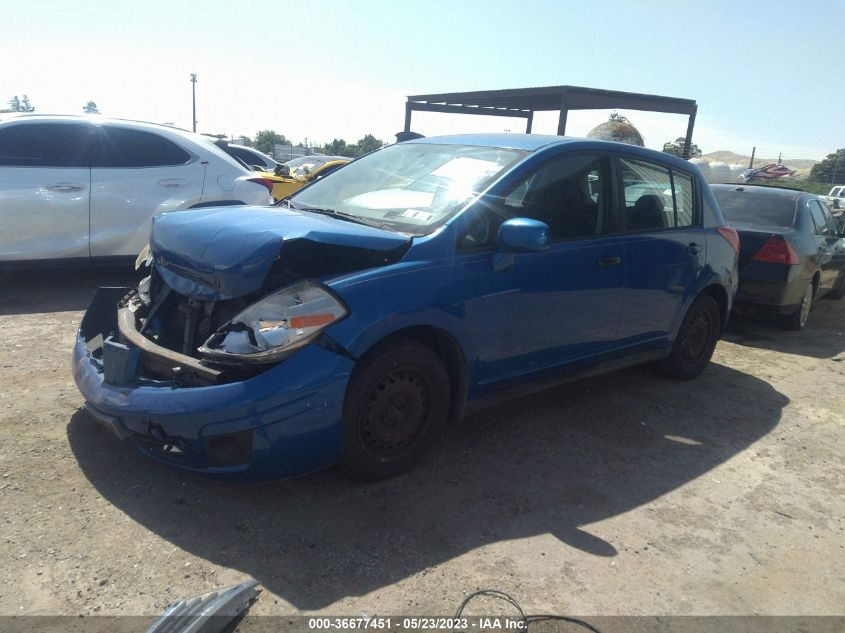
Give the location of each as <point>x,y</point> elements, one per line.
<point>801,165</point>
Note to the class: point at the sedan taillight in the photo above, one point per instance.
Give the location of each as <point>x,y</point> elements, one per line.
<point>776,251</point>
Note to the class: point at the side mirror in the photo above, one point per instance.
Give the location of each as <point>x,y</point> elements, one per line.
<point>519,235</point>
<point>522,235</point>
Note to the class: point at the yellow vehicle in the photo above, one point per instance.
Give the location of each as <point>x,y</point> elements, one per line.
<point>300,171</point>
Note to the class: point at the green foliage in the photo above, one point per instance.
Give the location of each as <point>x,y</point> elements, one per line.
<point>368,144</point>
<point>21,104</point>
<point>266,139</point>
<point>676,148</point>
<point>338,147</point>
<point>90,108</point>
<point>833,166</point>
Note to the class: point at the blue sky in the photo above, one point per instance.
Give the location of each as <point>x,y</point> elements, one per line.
<point>763,73</point>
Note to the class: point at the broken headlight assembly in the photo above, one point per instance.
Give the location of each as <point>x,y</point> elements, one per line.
<point>275,326</point>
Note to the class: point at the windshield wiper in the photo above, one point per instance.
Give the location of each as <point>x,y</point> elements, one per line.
<point>340,215</point>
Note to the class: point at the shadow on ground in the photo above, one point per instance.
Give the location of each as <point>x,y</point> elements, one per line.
<point>549,464</point>
<point>58,289</point>
<point>822,337</point>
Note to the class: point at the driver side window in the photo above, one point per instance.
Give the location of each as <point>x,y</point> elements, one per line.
<point>569,194</point>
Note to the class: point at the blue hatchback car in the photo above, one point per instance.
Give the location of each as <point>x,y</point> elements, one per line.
<point>354,322</point>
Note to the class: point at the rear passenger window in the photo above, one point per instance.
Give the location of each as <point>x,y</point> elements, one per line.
<point>656,197</point>
<point>122,147</point>
<point>44,145</point>
<point>819,219</point>
<point>648,195</point>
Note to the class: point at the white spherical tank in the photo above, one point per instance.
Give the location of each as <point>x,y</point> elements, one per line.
<point>720,172</point>
<point>703,167</point>
<point>737,169</point>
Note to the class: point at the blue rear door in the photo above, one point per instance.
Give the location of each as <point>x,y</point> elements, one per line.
<point>665,247</point>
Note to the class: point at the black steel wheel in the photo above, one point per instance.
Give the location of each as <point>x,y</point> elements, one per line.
<point>695,341</point>
<point>395,409</point>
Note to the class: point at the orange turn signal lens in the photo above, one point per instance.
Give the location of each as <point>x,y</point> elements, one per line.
<point>311,320</point>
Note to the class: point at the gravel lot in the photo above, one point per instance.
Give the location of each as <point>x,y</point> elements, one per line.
<point>623,494</point>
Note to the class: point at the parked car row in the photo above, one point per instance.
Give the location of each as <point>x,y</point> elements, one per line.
<point>371,306</point>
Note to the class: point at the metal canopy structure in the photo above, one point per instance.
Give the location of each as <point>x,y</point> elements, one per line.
<point>524,102</point>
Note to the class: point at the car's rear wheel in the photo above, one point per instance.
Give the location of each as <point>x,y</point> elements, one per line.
<point>696,340</point>
<point>395,409</point>
<point>798,319</point>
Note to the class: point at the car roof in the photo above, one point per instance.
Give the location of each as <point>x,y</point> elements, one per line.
<point>98,120</point>
<point>536,142</point>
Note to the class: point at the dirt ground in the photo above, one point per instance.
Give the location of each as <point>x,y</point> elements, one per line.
<point>623,494</point>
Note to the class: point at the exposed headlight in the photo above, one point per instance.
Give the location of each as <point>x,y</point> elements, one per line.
<point>276,326</point>
<point>145,257</point>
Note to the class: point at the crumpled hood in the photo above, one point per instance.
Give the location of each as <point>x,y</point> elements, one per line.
<point>224,252</point>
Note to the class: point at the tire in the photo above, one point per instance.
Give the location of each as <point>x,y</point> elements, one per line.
<point>395,409</point>
<point>695,341</point>
<point>839,288</point>
<point>798,319</point>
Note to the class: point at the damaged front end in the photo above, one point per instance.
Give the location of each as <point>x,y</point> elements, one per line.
<point>218,373</point>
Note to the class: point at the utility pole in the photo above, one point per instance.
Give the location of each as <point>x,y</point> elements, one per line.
<point>751,164</point>
<point>194,98</point>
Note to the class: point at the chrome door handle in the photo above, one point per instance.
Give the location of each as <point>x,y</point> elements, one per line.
<point>64,187</point>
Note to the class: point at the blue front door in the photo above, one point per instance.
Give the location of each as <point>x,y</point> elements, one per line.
<point>546,308</point>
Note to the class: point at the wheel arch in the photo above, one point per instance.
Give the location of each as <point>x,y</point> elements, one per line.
<point>451,354</point>
<point>720,296</point>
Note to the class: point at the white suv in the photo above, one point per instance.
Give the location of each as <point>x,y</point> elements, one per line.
<point>76,187</point>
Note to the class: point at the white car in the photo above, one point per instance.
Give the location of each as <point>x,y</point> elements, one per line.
<point>836,197</point>
<point>85,188</point>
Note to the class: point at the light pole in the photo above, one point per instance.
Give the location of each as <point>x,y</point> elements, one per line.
<point>194,99</point>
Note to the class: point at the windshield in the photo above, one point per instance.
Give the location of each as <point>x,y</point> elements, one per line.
<point>409,187</point>
<point>762,209</point>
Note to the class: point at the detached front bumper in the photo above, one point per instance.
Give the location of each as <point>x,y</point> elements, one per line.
<point>283,422</point>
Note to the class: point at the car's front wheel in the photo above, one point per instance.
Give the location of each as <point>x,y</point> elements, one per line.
<point>696,340</point>
<point>395,409</point>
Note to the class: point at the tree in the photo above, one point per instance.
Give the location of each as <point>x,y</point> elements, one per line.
<point>832,167</point>
<point>367,144</point>
<point>266,139</point>
<point>337,147</point>
<point>676,148</point>
<point>90,108</point>
<point>26,106</point>
<point>15,104</point>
